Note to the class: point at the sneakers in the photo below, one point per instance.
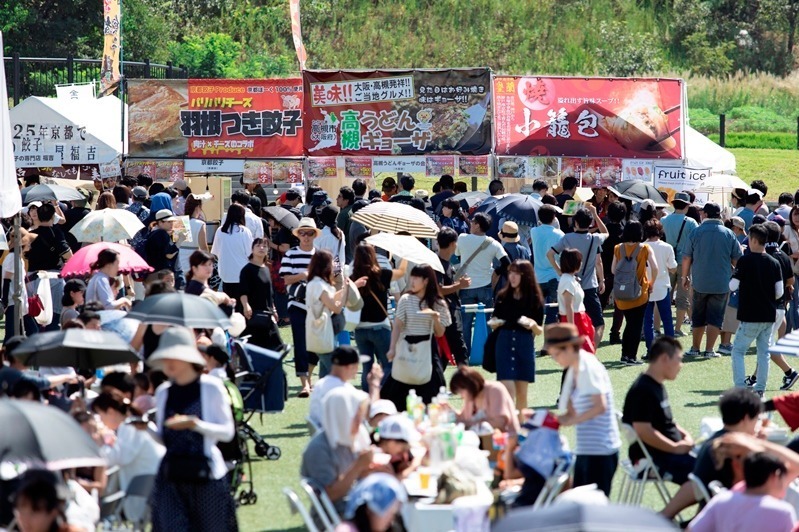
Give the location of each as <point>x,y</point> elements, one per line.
<point>693,352</point>
<point>789,380</point>
<point>760,393</point>
<point>710,354</point>
<point>679,334</point>
<point>627,361</point>
<point>751,380</point>
<point>725,349</point>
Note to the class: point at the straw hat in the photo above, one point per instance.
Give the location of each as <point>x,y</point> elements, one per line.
<point>510,232</point>
<point>560,334</point>
<point>176,343</point>
<point>306,223</point>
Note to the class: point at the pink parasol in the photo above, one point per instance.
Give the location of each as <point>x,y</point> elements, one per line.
<point>79,264</point>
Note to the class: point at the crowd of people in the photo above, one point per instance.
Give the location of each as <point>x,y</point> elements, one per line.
<point>353,307</point>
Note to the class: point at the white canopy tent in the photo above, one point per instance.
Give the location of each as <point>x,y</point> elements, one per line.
<point>705,153</point>
<point>95,127</point>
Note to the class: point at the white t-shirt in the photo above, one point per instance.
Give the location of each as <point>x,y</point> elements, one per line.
<point>600,435</point>
<point>320,390</point>
<point>232,250</point>
<point>569,283</point>
<point>738,512</point>
<point>8,273</point>
<point>481,266</point>
<point>664,256</point>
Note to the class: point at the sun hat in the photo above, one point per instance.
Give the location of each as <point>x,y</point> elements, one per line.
<point>165,215</point>
<point>559,334</point>
<point>682,198</point>
<point>398,427</point>
<point>510,232</point>
<point>382,406</point>
<point>738,222</point>
<point>320,198</point>
<point>305,223</point>
<point>176,343</point>
<point>180,184</point>
<point>378,491</point>
<point>421,194</point>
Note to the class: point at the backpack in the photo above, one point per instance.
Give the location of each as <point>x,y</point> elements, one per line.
<point>626,285</point>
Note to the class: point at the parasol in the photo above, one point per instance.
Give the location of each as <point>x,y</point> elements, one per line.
<point>392,217</point>
<point>408,248</point>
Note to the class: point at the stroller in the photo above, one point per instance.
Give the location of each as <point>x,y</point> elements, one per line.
<point>260,387</point>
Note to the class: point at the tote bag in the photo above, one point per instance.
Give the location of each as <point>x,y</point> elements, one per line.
<point>319,336</point>
<point>413,361</point>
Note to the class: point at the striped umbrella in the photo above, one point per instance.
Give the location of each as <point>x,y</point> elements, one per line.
<point>394,218</point>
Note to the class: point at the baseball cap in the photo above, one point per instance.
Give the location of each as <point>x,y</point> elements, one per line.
<point>398,427</point>
<point>139,192</point>
<point>382,406</point>
<point>738,222</point>
<point>165,215</point>
<point>320,198</point>
<point>180,184</point>
<point>712,209</point>
<point>345,355</point>
<point>681,197</point>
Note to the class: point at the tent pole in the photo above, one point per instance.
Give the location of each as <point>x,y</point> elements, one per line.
<point>18,325</point>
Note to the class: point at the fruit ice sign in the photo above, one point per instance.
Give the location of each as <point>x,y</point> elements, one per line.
<point>589,117</point>
<point>397,112</point>
<point>673,179</point>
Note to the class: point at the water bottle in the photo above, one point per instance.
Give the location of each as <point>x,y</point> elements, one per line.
<point>433,412</point>
<point>410,402</point>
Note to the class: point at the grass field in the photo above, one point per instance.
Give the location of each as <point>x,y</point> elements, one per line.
<point>778,168</point>
<point>693,396</point>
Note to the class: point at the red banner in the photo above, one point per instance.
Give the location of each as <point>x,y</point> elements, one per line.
<point>438,165</point>
<point>582,117</point>
<point>159,170</point>
<point>398,112</point>
<point>271,172</point>
<point>215,118</point>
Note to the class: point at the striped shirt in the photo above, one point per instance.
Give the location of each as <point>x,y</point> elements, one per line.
<point>296,261</point>
<point>598,436</point>
<point>419,324</point>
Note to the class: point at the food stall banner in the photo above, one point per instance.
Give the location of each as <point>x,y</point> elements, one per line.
<point>158,169</point>
<point>589,117</point>
<point>69,172</point>
<point>220,118</point>
<point>273,172</point>
<point>672,179</point>
<point>470,165</point>
<point>397,112</point>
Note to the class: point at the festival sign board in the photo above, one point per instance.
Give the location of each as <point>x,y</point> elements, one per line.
<point>673,179</point>
<point>215,118</point>
<point>397,112</point>
<point>589,117</point>
<point>270,172</point>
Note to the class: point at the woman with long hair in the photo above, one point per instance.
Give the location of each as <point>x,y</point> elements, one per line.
<point>791,233</point>
<point>663,254</point>
<point>201,268</point>
<point>518,311</point>
<point>452,216</point>
<point>232,246</point>
<point>105,268</point>
<point>483,400</point>
<point>74,292</point>
<point>332,240</point>
<point>321,295</point>
<point>258,300</point>
<point>9,292</point>
<point>421,314</point>
<point>106,201</point>
<point>373,332</point>
<point>129,446</point>
<point>199,240</point>
<point>634,309</point>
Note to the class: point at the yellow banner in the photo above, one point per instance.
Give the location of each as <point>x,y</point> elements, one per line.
<point>109,70</point>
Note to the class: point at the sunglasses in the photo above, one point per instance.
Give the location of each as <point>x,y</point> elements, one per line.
<point>306,233</point>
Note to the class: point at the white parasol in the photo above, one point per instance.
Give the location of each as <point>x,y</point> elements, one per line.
<point>107,225</point>
<point>406,247</point>
<point>722,183</point>
<point>394,218</point>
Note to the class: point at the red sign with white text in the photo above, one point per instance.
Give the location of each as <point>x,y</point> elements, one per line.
<point>589,117</point>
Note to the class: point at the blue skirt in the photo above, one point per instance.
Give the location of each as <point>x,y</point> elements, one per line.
<point>515,356</point>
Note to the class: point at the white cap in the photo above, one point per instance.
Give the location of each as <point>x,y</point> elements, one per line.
<point>398,427</point>
<point>382,406</point>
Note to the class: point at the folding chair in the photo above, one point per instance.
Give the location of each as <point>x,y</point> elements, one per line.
<point>701,492</point>
<point>322,505</point>
<point>636,476</point>
<point>298,508</point>
<point>553,486</point>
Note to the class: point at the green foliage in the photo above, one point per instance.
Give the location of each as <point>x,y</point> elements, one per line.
<point>775,141</point>
<point>213,55</point>
<point>625,53</point>
<point>705,58</point>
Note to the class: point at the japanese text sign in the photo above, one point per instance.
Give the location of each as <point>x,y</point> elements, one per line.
<point>271,172</point>
<point>589,117</point>
<point>229,119</point>
<point>409,112</point>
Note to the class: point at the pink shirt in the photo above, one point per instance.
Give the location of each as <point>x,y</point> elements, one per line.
<point>738,512</point>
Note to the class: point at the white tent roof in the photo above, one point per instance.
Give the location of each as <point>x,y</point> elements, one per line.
<point>101,117</point>
<point>701,152</point>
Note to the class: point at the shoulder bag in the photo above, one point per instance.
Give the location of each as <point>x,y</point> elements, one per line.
<point>413,362</point>
<point>319,334</point>
<point>462,269</point>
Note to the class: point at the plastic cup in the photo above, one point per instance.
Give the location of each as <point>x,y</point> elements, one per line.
<point>424,478</point>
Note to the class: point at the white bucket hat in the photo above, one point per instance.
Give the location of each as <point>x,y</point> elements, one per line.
<point>176,343</point>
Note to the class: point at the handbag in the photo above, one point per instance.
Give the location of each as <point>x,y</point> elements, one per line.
<point>412,363</point>
<point>319,334</point>
<point>187,468</point>
<point>490,351</point>
<point>35,305</point>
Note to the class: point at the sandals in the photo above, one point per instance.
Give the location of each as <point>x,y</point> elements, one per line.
<point>304,393</point>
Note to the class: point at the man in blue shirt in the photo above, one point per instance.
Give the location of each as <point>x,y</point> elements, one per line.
<point>707,265</point>
<point>678,228</point>
<point>753,201</point>
<point>544,237</point>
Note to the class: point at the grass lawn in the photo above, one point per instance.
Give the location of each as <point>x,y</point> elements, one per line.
<point>778,168</point>
<point>693,396</point>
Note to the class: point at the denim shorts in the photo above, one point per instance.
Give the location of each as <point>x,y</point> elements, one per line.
<point>708,309</point>
<point>593,307</point>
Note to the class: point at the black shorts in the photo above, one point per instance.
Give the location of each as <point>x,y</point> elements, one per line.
<point>593,307</point>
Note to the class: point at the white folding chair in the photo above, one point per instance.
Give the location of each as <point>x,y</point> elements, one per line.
<point>298,508</point>
<point>322,505</point>
<point>700,490</point>
<point>553,486</point>
<point>636,476</point>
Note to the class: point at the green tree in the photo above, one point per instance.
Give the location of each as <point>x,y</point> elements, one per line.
<point>213,55</point>
<point>626,53</point>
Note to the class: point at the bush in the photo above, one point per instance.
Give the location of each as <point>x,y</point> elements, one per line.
<point>779,141</point>
<point>703,120</point>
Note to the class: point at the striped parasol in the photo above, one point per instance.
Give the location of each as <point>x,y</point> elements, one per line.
<point>394,218</point>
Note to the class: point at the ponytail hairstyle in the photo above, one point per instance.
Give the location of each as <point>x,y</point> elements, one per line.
<point>107,401</point>
<point>104,258</point>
